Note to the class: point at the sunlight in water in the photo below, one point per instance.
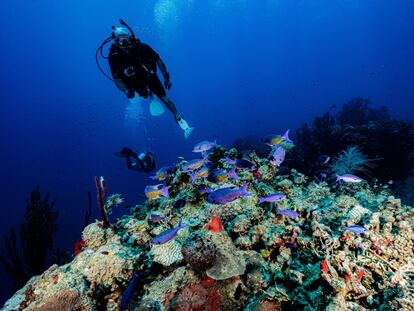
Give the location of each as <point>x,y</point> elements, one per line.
<point>165,13</point>
<point>134,113</point>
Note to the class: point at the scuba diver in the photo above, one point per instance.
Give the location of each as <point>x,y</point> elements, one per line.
<point>143,163</point>
<point>134,65</point>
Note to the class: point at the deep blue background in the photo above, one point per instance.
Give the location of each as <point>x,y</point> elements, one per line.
<point>232,64</point>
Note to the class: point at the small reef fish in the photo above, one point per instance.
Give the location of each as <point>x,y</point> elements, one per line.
<point>107,253</point>
<point>126,297</point>
<point>221,176</point>
<point>355,229</point>
<point>273,140</point>
<point>276,197</point>
<point>162,173</point>
<point>156,191</point>
<point>226,195</point>
<point>202,173</point>
<point>290,245</point>
<point>348,178</point>
<point>203,189</point>
<point>322,177</point>
<point>265,253</point>
<point>288,213</point>
<point>180,203</point>
<point>205,145</point>
<point>167,235</point>
<point>156,218</point>
<point>278,156</point>
<point>193,164</point>
<point>323,159</point>
<point>241,164</point>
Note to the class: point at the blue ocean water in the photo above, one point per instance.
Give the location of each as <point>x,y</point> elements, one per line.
<point>238,68</point>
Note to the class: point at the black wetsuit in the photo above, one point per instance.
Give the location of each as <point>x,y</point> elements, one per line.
<point>136,66</point>
<point>146,164</point>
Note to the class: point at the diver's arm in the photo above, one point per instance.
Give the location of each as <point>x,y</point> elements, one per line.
<point>163,68</point>
<point>120,85</point>
<point>165,74</point>
<point>117,74</point>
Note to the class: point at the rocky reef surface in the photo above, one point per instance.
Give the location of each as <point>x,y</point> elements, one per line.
<point>241,255</point>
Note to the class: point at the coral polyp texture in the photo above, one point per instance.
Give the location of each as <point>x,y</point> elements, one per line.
<point>308,246</point>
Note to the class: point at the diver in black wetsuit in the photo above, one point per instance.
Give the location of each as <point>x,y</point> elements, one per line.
<point>144,162</point>
<point>134,69</point>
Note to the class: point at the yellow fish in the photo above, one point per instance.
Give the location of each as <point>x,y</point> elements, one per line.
<point>154,192</point>
<point>265,253</point>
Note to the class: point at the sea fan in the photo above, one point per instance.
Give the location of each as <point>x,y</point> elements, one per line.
<point>352,161</point>
<point>113,200</point>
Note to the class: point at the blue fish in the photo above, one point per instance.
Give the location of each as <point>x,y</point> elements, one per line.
<point>126,297</point>
<point>156,218</point>
<point>203,189</point>
<point>278,156</point>
<point>355,229</point>
<point>322,177</point>
<point>226,195</point>
<point>288,213</point>
<point>241,164</point>
<point>276,197</point>
<point>323,159</point>
<point>348,178</point>
<point>167,235</point>
<point>180,203</point>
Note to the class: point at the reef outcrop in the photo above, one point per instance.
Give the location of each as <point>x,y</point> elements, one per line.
<point>321,246</point>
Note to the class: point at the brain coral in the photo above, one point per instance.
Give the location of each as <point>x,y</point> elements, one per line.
<point>168,253</point>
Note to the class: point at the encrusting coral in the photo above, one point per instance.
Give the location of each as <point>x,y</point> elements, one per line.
<point>319,246</point>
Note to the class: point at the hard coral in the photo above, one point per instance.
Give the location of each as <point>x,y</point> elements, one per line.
<point>168,253</point>
<point>199,252</point>
<point>229,263</point>
<point>203,296</point>
<point>66,299</point>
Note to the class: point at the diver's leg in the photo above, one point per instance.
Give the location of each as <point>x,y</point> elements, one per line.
<point>158,89</point>
<point>171,107</point>
<point>129,163</point>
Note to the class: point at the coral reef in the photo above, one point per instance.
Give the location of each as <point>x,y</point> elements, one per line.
<point>296,253</point>
<point>357,123</point>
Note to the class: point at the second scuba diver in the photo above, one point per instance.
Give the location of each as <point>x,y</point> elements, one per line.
<point>143,163</point>
<point>134,65</point>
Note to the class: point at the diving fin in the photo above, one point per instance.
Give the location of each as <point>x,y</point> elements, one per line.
<point>126,153</point>
<point>156,108</point>
<point>185,127</point>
